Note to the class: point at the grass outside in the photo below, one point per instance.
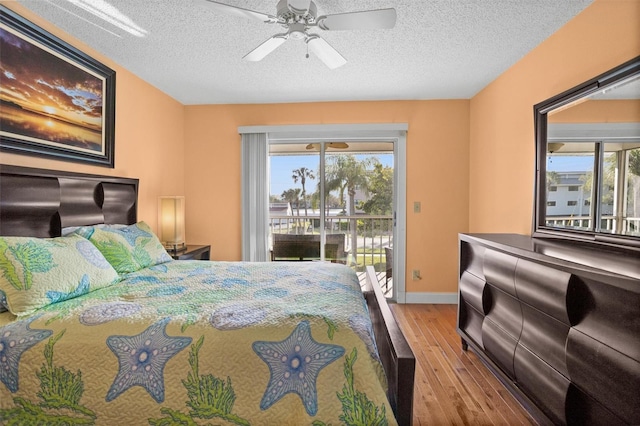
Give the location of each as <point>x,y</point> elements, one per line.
<point>371,257</point>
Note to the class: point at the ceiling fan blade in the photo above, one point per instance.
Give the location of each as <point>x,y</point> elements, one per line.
<point>299,7</point>
<point>327,54</point>
<point>336,145</point>
<point>265,48</point>
<point>242,13</point>
<point>365,20</point>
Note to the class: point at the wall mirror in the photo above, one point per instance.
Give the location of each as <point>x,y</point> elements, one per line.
<point>588,160</point>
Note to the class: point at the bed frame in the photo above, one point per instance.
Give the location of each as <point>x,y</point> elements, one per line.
<point>39,203</point>
<point>396,355</point>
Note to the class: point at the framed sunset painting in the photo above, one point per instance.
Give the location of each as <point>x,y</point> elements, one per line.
<point>55,101</point>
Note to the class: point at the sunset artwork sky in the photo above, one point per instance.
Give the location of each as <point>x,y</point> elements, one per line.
<point>45,99</point>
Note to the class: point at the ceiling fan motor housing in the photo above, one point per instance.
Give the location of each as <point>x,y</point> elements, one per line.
<point>287,15</point>
<point>297,31</point>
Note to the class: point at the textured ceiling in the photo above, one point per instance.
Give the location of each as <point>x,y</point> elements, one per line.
<point>439,49</point>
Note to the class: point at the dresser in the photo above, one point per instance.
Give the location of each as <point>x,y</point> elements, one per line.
<point>558,322</point>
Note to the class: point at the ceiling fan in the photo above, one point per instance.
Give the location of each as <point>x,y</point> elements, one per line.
<point>335,145</point>
<point>297,17</point>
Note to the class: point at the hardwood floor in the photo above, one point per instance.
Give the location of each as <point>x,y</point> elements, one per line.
<point>452,387</point>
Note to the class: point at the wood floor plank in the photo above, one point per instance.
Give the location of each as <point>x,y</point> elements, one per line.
<point>474,397</point>
<point>456,386</point>
<point>452,386</point>
<point>493,407</point>
<point>430,369</point>
<point>487,393</point>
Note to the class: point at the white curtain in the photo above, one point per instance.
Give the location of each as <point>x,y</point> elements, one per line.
<point>255,197</point>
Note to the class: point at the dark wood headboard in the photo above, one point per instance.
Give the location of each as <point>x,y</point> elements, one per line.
<point>39,203</point>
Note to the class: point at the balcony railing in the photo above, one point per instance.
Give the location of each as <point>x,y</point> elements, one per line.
<point>365,236</point>
<point>630,225</point>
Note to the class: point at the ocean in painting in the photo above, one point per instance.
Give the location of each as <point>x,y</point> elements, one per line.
<point>46,129</point>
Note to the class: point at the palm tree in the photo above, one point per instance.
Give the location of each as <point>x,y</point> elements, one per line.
<point>553,178</point>
<point>345,172</point>
<point>380,190</point>
<point>293,196</point>
<point>634,184</point>
<point>634,161</point>
<point>303,174</point>
<point>329,199</point>
<point>609,182</point>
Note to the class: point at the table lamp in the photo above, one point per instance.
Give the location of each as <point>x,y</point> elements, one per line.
<point>171,223</point>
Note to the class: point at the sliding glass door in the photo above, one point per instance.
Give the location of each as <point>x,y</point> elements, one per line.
<point>332,200</point>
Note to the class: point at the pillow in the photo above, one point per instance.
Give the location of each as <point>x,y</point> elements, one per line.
<point>36,272</point>
<point>74,229</point>
<point>128,249</point>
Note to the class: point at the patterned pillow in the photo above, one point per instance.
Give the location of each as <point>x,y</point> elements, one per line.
<point>129,249</point>
<point>36,272</point>
<point>80,229</point>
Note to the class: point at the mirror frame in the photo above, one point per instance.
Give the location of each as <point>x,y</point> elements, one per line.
<point>540,230</point>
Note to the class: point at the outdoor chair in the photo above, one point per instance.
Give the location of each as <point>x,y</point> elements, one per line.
<point>294,247</point>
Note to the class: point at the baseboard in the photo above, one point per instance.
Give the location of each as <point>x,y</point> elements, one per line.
<point>432,298</point>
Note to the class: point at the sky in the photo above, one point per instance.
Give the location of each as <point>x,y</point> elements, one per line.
<point>42,82</point>
<point>574,163</point>
<point>282,166</point>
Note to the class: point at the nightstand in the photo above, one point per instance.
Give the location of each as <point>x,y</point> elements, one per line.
<point>192,253</point>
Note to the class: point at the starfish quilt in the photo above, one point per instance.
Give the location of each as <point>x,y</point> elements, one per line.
<point>199,343</point>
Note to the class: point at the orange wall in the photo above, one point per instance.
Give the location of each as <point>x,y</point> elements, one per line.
<point>604,35</point>
<point>437,174</point>
<point>148,138</point>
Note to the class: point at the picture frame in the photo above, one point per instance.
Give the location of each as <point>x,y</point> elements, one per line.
<point>55,101</point>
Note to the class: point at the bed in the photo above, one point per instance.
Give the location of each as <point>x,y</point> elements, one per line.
<point>103,326</point>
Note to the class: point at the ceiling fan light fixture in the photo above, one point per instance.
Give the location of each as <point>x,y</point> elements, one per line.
<point>297,32</point>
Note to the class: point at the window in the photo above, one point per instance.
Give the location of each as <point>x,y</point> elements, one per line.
<point>618,191</point>
<point>348,188</point>
<point>553,189</point>
<point>571,171</point>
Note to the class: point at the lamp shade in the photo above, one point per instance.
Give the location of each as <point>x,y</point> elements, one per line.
<point>171,222</point>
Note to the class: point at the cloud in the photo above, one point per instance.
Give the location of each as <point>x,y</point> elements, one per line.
<point>43,79</point>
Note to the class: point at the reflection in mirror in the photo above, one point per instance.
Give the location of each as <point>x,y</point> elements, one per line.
<point>569,188</point>
<point>588,183</point>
